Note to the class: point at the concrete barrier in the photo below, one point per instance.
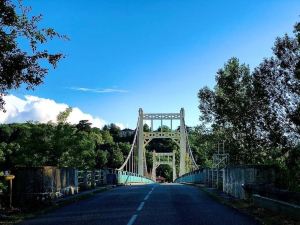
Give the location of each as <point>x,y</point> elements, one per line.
<point>42,184</point>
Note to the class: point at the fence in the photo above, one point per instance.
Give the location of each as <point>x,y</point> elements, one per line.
<point>40,185</point>
<point>124,177</point>
<point>231,180</point>
<point>92,178</point>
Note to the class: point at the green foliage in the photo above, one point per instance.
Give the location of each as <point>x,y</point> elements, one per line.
<point>231,110</point>
<point>62,144</point>
<point>107,138</point>
<point>116,156</point>
<point>161,145</point>
<point>63,116</point>
<point>18,65</point>
<point>101,158</point>
<point>2,185</point>
<point>114,131</point>
<point>201,142</point>
<point>257,114</point>
<point>124,147</point>
<point>84,125</point>
<point>166,172</point>
<point>82,154</point>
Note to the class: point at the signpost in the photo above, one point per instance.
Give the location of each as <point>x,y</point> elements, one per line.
<point>9,177</point>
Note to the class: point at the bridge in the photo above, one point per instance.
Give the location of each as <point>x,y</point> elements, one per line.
<point>135,168</point>
<point>151,203</point>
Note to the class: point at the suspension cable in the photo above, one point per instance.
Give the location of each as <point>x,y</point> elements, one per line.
<point>189,148</point>
<point>132,148</point>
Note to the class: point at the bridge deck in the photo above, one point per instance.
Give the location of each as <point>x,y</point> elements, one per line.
<point>146,204</point>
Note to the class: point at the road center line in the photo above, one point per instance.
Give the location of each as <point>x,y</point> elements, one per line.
<point>147,196</point>
<point>141,206</point>
<point>132,219</point>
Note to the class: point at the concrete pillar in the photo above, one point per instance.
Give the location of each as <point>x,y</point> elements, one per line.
<point>154,166</point>
<point>141,144</point>
<point>182,144</point>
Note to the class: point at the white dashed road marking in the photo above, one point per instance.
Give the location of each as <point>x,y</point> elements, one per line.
<point>147,196</point>
<point>133,218</point>
<point>141,206</point>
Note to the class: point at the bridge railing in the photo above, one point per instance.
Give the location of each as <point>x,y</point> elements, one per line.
<point>196,176</point>
<point>125,177</point>
<point>128,172</point>
<point>92,178</point>
<point>211,177</point>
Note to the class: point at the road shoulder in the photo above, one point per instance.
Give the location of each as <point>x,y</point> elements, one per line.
<point>17,216</point>
<point>261,215</point>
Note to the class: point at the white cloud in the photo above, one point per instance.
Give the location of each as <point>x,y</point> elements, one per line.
<point>43,110</point>
<point>104,90</point>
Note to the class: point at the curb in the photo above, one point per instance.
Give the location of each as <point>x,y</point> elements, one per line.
<point>57,204</point>
<point>223,201</point>
<point>83,195</point>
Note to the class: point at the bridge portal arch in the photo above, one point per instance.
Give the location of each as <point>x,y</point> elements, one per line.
<point>163,158</point>
<point>179,137</point>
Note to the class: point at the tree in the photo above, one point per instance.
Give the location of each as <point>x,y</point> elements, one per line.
<point>277,86</point>
<point>62,141</point>
<point>146,128</point>
<point>116,157</point>
<point>84,125</point>
<point>165,171</point>
<point>277,90</point>
<point>258,113</point>
<point>81,153</point>
<point>101,158</point>
<point>63,116</point>
<point>2,158</point>
<point>202,141</point>
<point>230,108</point>
<point>18,66</point>
<point>125,147</point>
<point>107,138</point>
<point>114,131</point>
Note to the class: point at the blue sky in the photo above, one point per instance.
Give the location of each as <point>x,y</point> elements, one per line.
<point>153,54</point>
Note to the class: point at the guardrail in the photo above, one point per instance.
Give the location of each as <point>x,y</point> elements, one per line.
<point>89,178</point>
<point>196,176</point>
<point>125,177</point>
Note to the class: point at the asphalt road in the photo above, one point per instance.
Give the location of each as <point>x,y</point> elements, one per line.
<point>146,205</point>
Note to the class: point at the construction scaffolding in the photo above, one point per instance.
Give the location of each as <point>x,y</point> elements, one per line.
<point>216,174</point>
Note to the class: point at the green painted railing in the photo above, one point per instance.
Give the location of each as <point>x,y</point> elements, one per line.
<point>196,176</point>
<point>124,177</point>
